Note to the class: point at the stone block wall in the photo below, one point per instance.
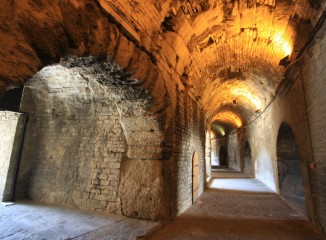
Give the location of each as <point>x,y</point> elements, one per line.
<point>208,148</point>
<point>233,150</point>
<point>303,108</point>
<point>74,142</point>
<point>215,148</point>
<point>11,130</point>
<point>189,137</point>
<point>88,136</point>
<point>313,74</point>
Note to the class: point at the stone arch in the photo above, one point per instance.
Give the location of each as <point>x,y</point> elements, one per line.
<point>289,166</point>
<point>97,120</point>
<point>85,30</point>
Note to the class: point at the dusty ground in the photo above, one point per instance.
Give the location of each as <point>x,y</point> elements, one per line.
<point>35,221</point>
<point>233,215</point>
<point>218,214</point>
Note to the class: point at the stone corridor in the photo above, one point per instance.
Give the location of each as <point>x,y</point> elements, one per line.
<point>246,212</point>
<point>133,109</point>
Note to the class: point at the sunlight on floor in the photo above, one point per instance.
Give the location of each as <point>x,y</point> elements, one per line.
<point>240,184</point>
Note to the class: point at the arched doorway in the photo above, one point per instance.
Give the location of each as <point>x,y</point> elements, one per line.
<point>248,164</point>
<point>195,177</point>
<point>223,157</point>
<point>289,169</point>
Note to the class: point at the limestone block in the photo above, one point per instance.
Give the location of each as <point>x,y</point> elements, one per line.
<point>142,189</point>
<point>139,65</point>
<point>149,138</point>
<point>138,123</point>
<point>92,203</point>
<point>145,152</point>
<point>124,52</point>
<point>10,133</point>
<point>180,49</point>
<point>169,54</point>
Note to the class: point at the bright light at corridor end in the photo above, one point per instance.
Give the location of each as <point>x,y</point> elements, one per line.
<point>228,117</point>
<point>219,129</point>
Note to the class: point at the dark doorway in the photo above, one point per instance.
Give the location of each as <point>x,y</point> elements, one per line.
<point>248,164</point>
<point>11,99</point>
<point>223,157</point>
<point>289,169</point>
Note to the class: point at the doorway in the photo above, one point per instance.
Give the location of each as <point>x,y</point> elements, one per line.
<point>248,164</point>
<point>223,157</point>
<point>195,177</point>
<point>289,169</point>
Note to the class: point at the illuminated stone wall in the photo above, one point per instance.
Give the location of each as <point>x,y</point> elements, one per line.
<point>89,133</point>
<point>188,137</point>
<point>314,84</point>
<point>304,110</point>
<point>11,129</point>
<point>92,143</point>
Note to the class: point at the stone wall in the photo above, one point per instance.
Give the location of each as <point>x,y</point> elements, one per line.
<point>92,143</point>
<point>215,148</point>
<point>11,130</point>
<point>303,108</point>
<point>189,137</point>
<point>86,121</point>
<point>233,150</point>
<point>314,85</point>
<point>208,148</point>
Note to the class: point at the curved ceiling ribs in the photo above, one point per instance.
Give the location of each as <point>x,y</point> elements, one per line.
<point>236,48</point>
<point>226,52</point>
<point>230,49</point>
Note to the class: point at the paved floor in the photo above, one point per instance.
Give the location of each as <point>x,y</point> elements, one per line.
<point>222,213</point>
<point>238,216</point>
<point>28,220</point>
<point>239,208</point>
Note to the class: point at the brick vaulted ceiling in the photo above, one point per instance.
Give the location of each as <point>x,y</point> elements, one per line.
<point>226,52</point>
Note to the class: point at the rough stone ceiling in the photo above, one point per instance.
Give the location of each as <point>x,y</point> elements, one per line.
<point>225,52</point>
<point>232,49</point>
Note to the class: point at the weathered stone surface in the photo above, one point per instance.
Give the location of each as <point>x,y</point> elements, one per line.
<point>75,135</point>
<point>11,130</point>
<point>124,52</point>
<point>142,190</point>
<point>183,61</point>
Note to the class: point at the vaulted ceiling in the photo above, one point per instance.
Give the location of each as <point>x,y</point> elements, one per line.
<point>226,53</point>
<point>231,49</point>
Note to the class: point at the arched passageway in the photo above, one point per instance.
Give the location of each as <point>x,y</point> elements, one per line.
<point>289,169</point>
<point>233,64</point>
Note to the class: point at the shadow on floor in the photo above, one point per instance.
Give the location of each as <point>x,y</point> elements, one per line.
<point>35,221</point>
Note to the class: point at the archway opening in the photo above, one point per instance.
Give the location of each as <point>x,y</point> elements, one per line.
<point>195,177</point>
<point>81,150</point>
<point>223,157</point>
<point>248,163</point>
<point>289,169</point>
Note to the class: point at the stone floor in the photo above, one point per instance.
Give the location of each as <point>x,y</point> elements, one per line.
<point>29,220</point>
<point>239,209</point>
